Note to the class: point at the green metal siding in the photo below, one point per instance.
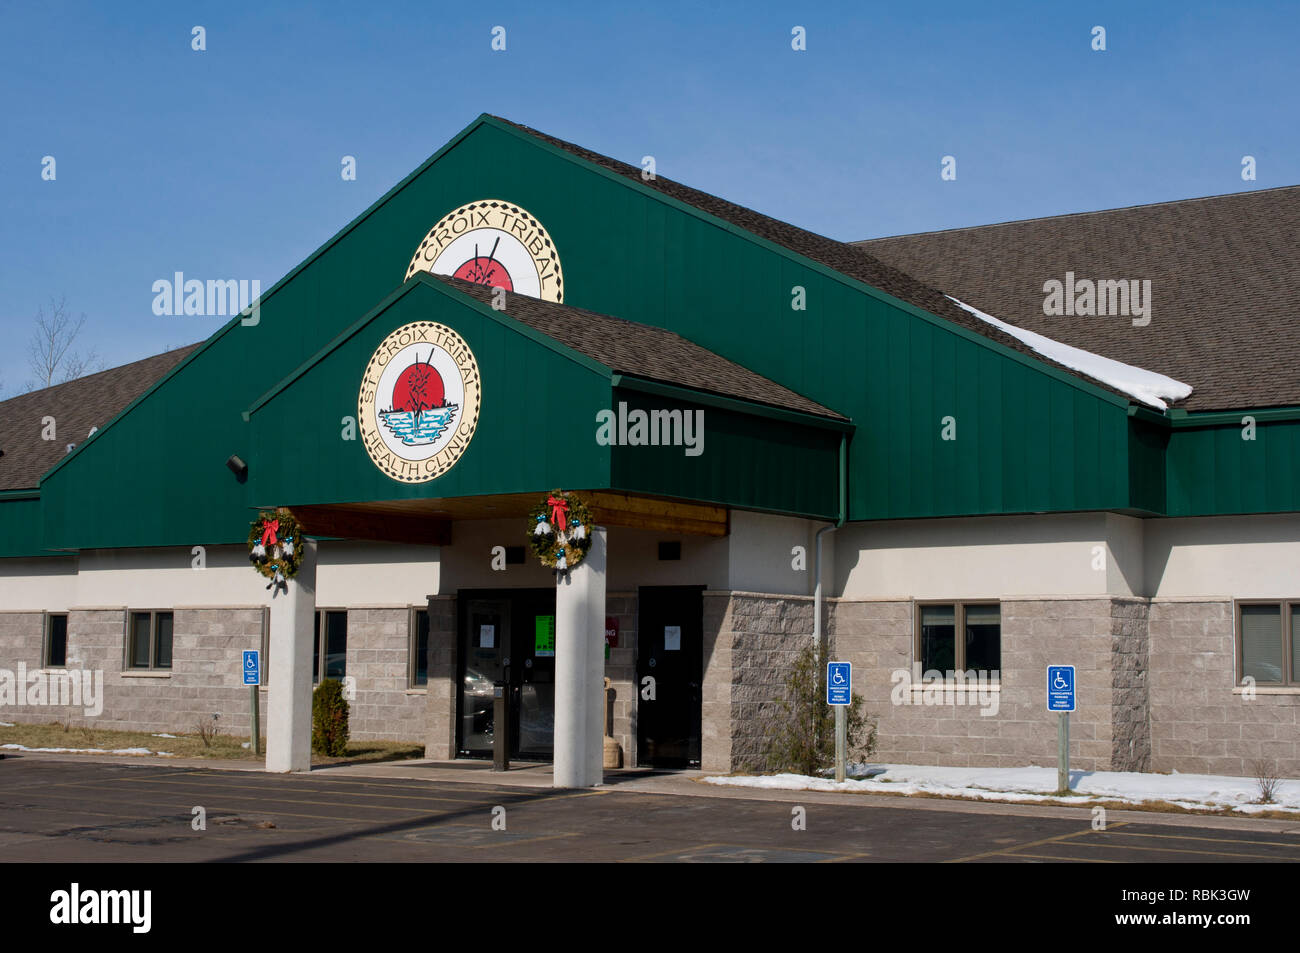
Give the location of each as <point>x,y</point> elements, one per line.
<point>1029,437</point>
<point>1148,473</point>
<point>747,461</point>
<point>20,525</point>
<point>1213,471</point>
<point>533,429</point>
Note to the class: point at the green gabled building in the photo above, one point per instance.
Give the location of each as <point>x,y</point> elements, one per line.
<point>760,420</point>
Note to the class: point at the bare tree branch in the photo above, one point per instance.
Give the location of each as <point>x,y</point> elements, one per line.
<point>49,353</point>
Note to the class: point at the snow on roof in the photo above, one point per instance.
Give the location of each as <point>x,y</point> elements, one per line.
<point>1152,389</point>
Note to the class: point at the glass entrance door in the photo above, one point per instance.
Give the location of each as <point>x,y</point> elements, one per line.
<point>507,636</point>
<point>534,681</point>
<point>484,641</point>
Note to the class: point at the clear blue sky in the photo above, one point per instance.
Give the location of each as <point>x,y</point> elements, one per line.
<point>225,163</point>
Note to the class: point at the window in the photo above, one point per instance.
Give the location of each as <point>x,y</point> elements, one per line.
<point>939,649</point>
<point>149,639</point>
<point>55,654</point>
<point>331,644</point>
<point>418,670</point>
<point>1266,647</point>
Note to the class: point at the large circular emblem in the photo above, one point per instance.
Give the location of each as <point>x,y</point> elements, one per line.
<point>493,243</point>
<point>419,402</point>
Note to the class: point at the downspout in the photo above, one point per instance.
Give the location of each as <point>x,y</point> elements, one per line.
<point>818,635</point>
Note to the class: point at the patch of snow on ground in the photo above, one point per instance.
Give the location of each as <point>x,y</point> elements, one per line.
<point>1147,386</point>
<point>164,735</point>
<point>7,724</point>
<point>1204,791</point>
<point>14,747</point>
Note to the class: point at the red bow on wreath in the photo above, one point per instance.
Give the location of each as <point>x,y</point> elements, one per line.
<point>268,532</point>
<point>559,511</point>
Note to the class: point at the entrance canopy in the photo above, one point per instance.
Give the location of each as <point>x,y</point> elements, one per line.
<point>453,400</point>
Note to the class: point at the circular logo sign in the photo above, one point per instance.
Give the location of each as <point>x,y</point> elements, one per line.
<point>419,402</point>
<point>493,243</point>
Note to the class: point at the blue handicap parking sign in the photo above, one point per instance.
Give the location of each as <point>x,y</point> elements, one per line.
<point>252,668</point>
<point>1060,688</point>
<point>839,683</point>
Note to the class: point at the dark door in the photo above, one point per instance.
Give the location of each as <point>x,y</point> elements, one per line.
<point>670,650</point>
<point>532,675</point>
<point>507,636</point>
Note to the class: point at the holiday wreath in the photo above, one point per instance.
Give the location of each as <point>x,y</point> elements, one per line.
<point>559,530</point>
<point>275,546</point>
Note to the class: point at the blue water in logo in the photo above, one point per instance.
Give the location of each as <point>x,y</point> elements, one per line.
<point>422,428</point>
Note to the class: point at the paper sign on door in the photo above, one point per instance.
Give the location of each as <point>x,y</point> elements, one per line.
<point>672,638</point>
<point>487,636</point>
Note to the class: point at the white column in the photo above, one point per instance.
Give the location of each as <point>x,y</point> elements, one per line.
<point>580,669</point>
<point>293,627</point>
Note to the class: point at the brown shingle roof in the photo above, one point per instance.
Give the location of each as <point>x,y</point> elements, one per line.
<point>1225,284</point>
<point>840,256</point>
<point>76,407</point>
<point>640,350</point>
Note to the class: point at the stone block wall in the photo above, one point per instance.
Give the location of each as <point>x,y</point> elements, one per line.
<point>1103,638</point>
<point>715,703</point>
<point>22,637</point>
<point>1156,680</point>
<point>204,680</point>
<point>206,675</point>
<point>1200,721</point>
<point>750,642</point>
<point>1130,685</point>
<point>440,698</point>
<point>386,706</point>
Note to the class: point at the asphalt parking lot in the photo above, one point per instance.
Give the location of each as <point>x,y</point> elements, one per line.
<point>78,811</point>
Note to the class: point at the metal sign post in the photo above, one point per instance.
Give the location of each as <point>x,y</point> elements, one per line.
<point>253,678</point>
<point>839,693</point>
<point>1063,753</point>
<point>1061,699</point>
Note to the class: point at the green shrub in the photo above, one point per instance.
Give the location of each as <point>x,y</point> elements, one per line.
<point>329,719</point>
<point>802,739</point>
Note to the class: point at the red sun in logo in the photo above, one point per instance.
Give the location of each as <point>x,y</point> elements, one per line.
<point>485,271</point>
<point>418,389</point>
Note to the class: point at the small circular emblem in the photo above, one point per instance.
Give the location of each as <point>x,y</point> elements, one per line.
<point>419,402</point>
<point>496,243</point>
